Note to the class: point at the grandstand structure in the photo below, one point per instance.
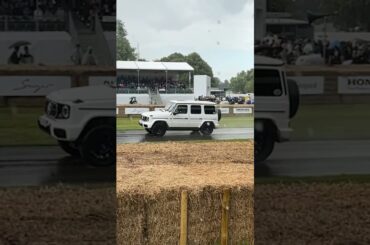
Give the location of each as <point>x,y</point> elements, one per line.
<point>56,27</point>
<point>157,83</point>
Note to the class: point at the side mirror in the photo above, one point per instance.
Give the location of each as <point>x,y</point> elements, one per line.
<point>175,113</point>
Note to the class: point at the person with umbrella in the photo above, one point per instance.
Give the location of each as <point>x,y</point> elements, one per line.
<point>14,57</point>
<point>26,57</point>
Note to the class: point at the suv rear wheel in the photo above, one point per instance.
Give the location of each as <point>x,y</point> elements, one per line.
<point>207,128</point>
<point>98,146</point>
<point>159,129</point>
<point>264,142</point>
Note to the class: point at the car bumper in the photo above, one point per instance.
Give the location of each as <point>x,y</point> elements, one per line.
<point>145,124</point>
<point>58,129</point>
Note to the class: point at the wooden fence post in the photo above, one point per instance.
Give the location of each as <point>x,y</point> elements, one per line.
<point>225,217</point>
<point>184,218</point>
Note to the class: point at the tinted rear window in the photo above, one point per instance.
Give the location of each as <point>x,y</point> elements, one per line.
<point>267,83</point>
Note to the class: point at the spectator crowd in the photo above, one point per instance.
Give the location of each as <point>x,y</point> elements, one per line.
<point>41,9</point>
<point>86,10</point>
<point>130,84</point>
<point>331,52</point>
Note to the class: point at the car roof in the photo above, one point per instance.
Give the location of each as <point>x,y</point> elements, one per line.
<point>192,102</point>
<point>267,61</point>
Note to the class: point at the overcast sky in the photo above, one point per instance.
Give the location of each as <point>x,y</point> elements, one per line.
<point>221,31</point>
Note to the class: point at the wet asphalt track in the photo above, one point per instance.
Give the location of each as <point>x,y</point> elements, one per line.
<point>138,136</point>
<point>32,166</point>
<point>47,165</point>
<point>317,158</point>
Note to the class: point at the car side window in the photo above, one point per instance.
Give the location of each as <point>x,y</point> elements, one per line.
<point>196,109</point>
<point>209,110</point>
<point>182,109</point>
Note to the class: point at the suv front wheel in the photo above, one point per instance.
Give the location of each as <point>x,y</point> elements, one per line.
<point>207,128</point>
<point>159,129</point>
<point>98,146</point>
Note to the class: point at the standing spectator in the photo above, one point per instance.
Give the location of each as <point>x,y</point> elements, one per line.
<point>77,55</point>
<point>26,57</point>
<point>38,13</point>
<point>89,57</point>
<point>14,57</point>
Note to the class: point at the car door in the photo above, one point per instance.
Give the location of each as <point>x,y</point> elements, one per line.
<point>195,116</point>
<point>180,117</point>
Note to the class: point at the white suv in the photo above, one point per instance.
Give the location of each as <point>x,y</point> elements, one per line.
<point>277,102</point>
<point>83,121</point>
<point>182,115</point>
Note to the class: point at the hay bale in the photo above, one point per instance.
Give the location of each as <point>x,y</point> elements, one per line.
<point>149,184</point>
<point>155,219</point>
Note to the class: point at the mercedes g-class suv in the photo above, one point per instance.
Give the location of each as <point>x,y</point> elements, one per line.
<point>200,116</point>
<point>83,121</point>
<point>276,103</point>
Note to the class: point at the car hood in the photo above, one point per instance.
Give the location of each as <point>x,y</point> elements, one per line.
<point>84,94</point>
<point>157,114</point>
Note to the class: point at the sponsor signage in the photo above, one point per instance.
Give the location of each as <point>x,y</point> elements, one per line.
<point>32,85</point>
<point>354,85</point>
<point>135,111</point>
<point>103,80</point>
<point>225,110</point>
<point>243,110</point>
<point>309,85</point>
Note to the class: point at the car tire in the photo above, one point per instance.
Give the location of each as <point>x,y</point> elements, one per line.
<point>69,148</point>
<point>207,128</point>
<point>264,143</point>
<point>294,97</point>
<point>98,146</point>
<point>159,129</point>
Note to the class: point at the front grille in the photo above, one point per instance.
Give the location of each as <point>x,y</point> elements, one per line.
<point>144,118</point>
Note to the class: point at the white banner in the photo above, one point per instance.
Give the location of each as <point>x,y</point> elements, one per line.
<point>243,110</point>
<point>225,110</point>
<point>135,111</point>
<point>309,85</point>
<point>354,85</point>
<point>103,80</point>
<point>32,85</point>
<point>158,108</point>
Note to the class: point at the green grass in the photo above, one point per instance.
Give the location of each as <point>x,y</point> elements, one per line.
<point>18,126</point>
<point>125,124</point>
<point>309,180</point>
<point>331,122</point>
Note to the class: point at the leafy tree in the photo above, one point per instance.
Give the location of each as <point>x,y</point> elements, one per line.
<point>215,82</point>
<point>243,82</point>
<point>124,49</point>
<point>200,66</point>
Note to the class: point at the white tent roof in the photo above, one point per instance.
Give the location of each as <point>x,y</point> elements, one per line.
<point>150,65</point>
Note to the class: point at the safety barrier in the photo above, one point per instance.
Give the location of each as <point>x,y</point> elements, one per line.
<point>229,110</point>
<point>339,84</point>
<point>27,85</point>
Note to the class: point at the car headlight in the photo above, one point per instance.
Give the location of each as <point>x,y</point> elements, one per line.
<point>64,111</point>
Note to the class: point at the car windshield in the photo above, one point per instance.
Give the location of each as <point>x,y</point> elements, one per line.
<point>169,107</point>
